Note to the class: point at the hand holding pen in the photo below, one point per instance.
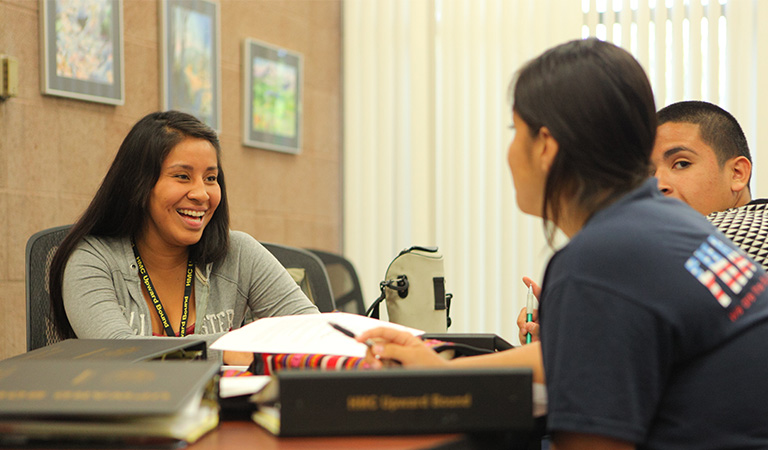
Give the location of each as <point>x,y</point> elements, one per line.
<point>528,319</point>
<point>368,342</point>
<point>390,347</point>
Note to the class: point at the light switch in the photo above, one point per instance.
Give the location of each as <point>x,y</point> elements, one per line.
<point>9,77</point>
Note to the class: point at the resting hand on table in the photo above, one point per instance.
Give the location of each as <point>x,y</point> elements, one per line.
<point>400,346</point>
<point>533,326</point>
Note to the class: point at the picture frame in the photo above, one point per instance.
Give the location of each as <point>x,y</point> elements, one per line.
<point>82,50</point>
<point>190,59</point>
<point>273,90</point>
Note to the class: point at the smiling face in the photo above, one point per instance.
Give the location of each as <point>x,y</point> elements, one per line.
<point>184,197</point>
<point>687,169</point>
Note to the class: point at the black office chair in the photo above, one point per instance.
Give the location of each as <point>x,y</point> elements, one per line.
<point>347,292</point>
<point>41,327</point>
<point>308,271</point>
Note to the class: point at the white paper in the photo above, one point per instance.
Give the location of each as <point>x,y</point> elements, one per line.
<point>226,368</point>
<point>307,333</point>
<point>234,386</point>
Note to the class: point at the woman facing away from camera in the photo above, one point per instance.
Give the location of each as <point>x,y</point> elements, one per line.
<point>653,323</point>
<point>153,254</point>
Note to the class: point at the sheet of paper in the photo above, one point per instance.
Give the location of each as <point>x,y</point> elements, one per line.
<point>228,368</point>
<point>234,386</point>
<point>308,333</point>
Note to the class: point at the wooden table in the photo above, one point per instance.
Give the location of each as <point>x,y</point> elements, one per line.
<point>239,435</point>
<point>244,434</point>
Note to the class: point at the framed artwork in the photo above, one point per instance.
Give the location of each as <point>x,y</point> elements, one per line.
<point>82,49</point>
<point>190,68</point>
<point>273,89</point>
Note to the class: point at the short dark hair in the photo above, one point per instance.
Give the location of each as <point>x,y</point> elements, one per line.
<point>597,103</point>
<point>120,205</point>
<point>717,127</point>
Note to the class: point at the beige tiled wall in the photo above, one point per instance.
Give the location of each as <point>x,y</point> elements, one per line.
<point>55,151</point>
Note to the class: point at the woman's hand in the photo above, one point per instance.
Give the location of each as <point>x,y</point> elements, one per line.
<point>522,323</point>
<point>392,345</point>
<point>411,351</point>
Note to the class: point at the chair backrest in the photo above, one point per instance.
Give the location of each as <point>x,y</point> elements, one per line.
<point>347,292</point>
<point>41,326</point>
<point>308,271</point>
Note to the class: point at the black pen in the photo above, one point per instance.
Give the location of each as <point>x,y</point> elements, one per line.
<point>368,342</point>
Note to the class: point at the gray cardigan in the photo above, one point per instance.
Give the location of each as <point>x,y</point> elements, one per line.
<point>103,297</point>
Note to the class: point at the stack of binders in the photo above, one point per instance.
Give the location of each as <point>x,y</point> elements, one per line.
<point>114,393</point>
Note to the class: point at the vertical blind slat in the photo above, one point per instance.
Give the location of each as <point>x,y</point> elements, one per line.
<point>713,52</point>
<point>625,18</point>
<point>643,35</point>
<point>592,17</point>
<point>694,81</point>
<point>678,53</point>
<point>660,38</point>
<point>609,20</point>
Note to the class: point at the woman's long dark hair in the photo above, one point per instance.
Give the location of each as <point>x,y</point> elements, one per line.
<point>597,103</point>
<point>120,206</point>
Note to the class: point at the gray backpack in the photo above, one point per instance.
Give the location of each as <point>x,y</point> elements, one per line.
<point>414,290</point>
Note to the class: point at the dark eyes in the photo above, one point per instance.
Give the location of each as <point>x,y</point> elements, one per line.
<point>681,164</point>
<point>185,177</point>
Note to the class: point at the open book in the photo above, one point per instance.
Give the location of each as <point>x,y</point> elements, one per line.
<point>106,402</point>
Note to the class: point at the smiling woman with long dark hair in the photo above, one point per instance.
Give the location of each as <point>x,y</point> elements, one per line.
<point>153,254</point>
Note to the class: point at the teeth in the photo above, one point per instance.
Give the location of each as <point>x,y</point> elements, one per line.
<point>190,212</point>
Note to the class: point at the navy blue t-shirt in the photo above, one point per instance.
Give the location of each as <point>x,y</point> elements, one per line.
<point>654,330</point>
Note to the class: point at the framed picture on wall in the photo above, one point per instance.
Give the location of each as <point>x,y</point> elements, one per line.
<point>273,89</point>
<point>82,49</point>
<point>189,59</point>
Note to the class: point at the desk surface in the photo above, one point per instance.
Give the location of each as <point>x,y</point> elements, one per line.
<point>240,434</point>
<point>236,435</point>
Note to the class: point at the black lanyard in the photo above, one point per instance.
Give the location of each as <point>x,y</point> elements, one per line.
<point>156,300</point>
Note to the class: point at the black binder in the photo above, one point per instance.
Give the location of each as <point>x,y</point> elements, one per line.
<point>485,341</point>
<point>400,401</point>
<point>89,402</point>
<point>130,350</point>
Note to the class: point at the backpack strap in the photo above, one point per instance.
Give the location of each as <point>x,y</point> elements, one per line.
<point>400,285</point>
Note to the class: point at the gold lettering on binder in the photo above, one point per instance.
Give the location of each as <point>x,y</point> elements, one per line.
<point>84,376</point>
<point>439,401</point>
<point>362,403</point>
<point>391,403</point>
<point>22,395</point>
